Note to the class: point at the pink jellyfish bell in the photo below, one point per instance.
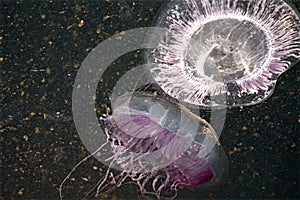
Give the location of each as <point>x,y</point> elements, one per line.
<point>225,48</point>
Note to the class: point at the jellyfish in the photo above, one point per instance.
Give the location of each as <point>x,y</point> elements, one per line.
<point>159,145</point>
<point>216,48</point>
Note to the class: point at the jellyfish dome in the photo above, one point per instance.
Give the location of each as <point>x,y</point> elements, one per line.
<point>225,53</point>
<point>161,144</point>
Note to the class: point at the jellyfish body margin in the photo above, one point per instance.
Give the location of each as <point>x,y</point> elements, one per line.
<point>224,47</point>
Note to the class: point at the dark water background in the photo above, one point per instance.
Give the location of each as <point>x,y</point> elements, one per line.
<point>42,46</point>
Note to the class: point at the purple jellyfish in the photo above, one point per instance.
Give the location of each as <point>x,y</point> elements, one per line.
<point>216,48</point>
<point>159,145</point>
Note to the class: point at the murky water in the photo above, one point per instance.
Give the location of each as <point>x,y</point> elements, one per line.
<point>42,47</point>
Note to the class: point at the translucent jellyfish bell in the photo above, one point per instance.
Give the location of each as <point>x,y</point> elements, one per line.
<point>217,48</point>
<point>159,143</point>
